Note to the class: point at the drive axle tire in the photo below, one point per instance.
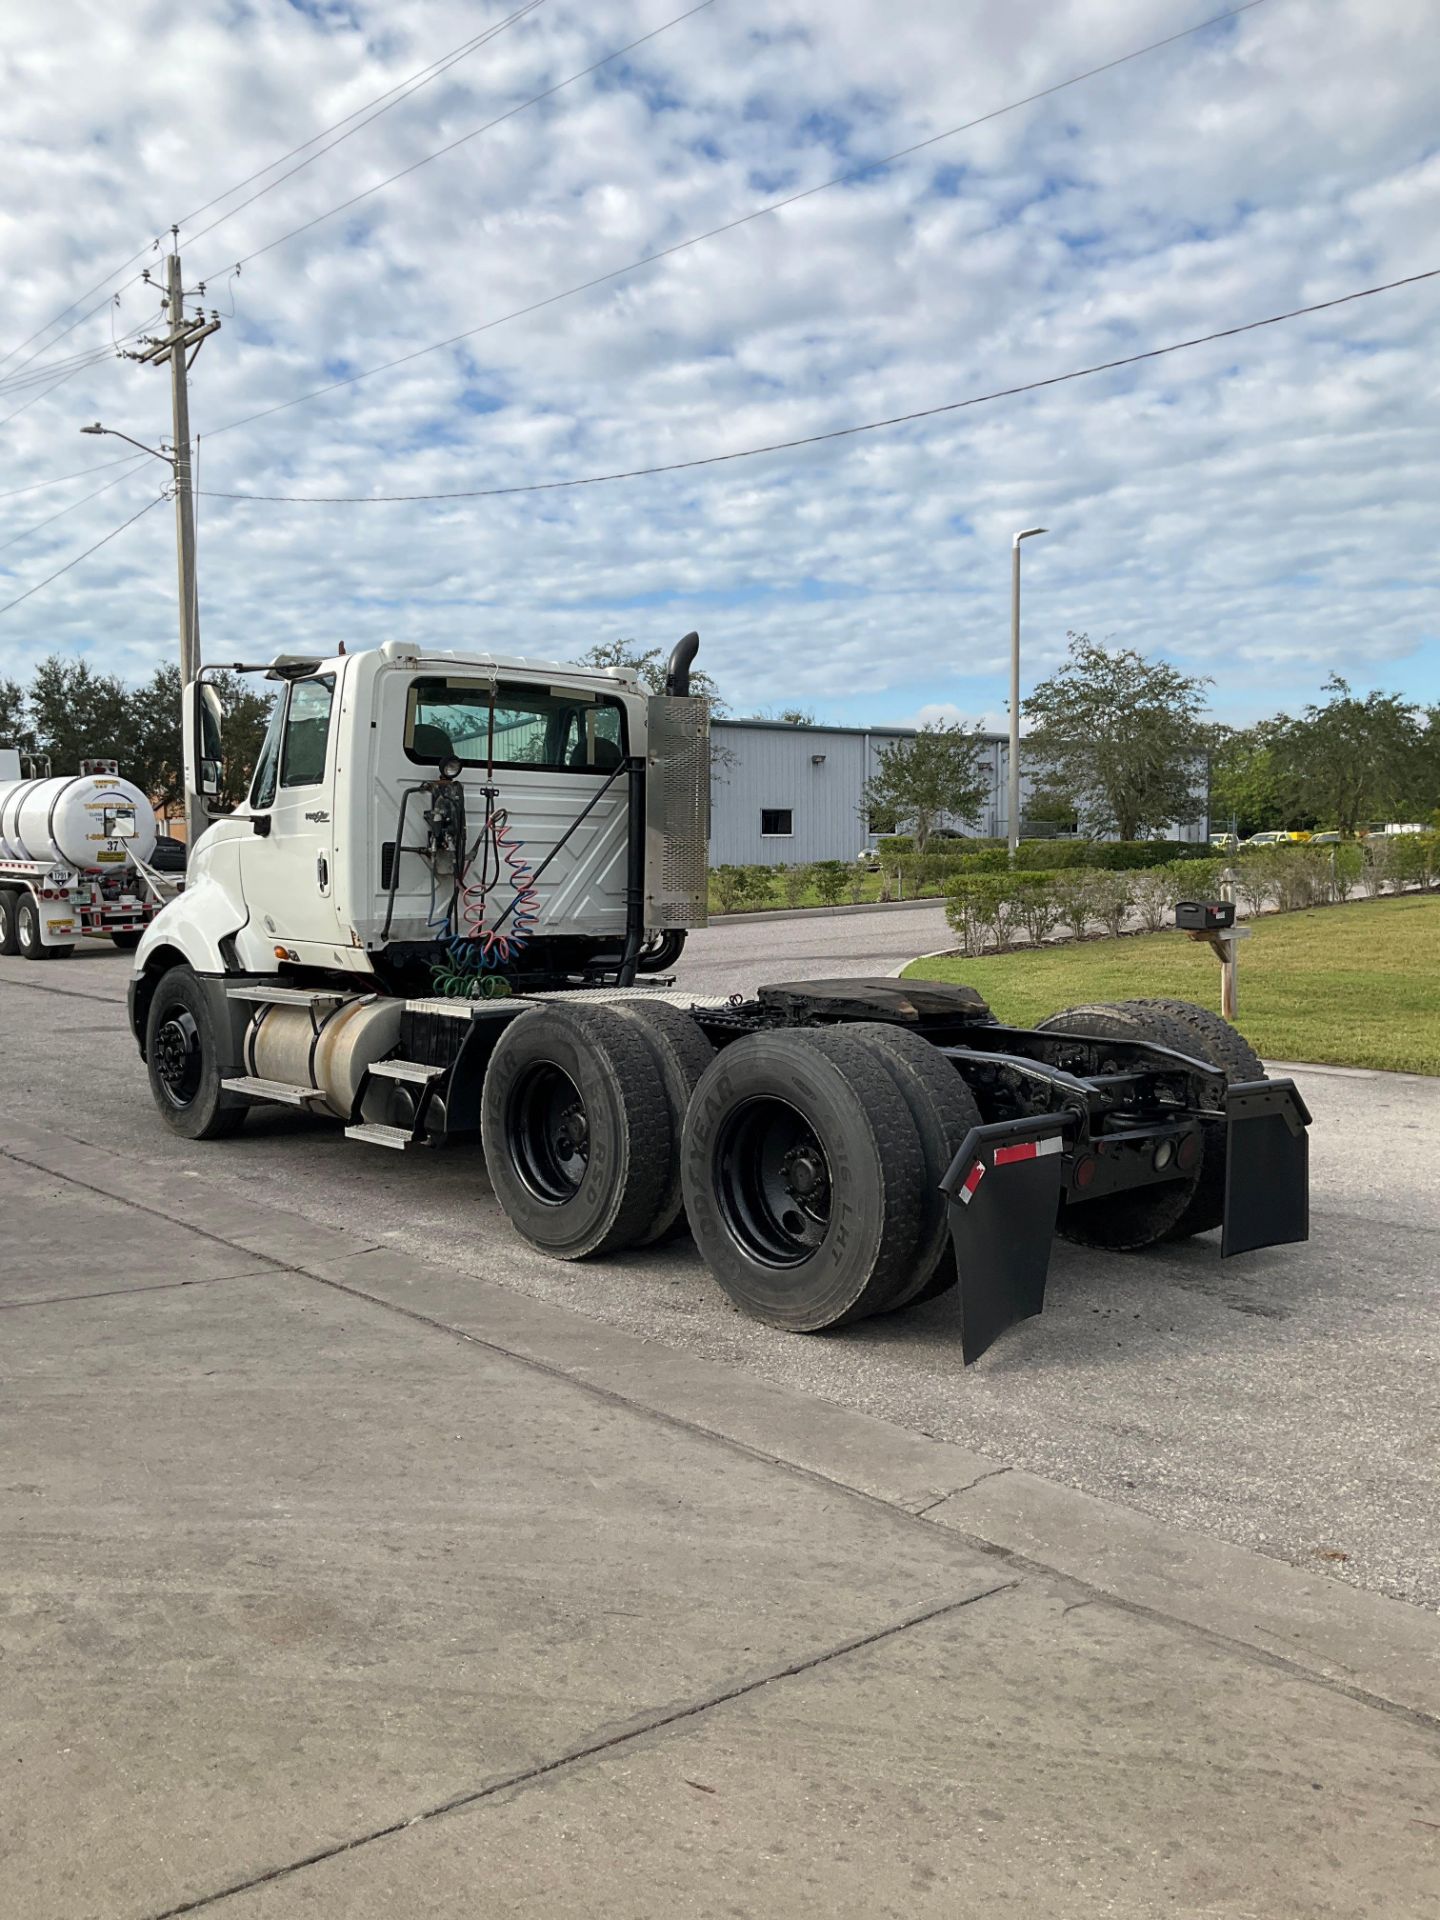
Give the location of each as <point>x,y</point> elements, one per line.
<point>577,1130</point>
<point>9,938</point>
<point>1215,1041</point>
<point>182,1058</point>
<point>944,1110</point>
<point>682,1053</point>
<point>804,1179</point>
<point>27,933</point>
<point>1126,1222</point>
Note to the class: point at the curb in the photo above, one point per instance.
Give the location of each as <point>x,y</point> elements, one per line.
<point>1369,1645</point>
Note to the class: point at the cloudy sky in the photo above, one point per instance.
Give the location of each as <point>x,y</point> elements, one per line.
<point>1262,509</point>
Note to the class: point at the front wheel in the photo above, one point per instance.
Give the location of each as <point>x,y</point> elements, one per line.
<point>183,1061</point>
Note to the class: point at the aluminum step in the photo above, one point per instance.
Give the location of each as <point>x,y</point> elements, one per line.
<point>410,1070</point>
<point>279,1091</point>
<point>290,996</point>
<point>378,1136</point>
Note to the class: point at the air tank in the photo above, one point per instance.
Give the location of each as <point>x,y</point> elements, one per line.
<point>63,821</point>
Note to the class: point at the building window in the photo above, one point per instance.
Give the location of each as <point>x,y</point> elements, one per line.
<point>776,820</point>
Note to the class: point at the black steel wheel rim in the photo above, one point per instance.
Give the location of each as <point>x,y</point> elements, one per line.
<point>179,1062</point>
<point>547,1131</point>
<point>773,1183</point>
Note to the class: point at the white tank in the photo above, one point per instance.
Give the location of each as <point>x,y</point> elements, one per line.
<point>63,820</point>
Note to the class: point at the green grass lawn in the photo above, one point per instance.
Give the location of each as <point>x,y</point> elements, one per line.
<point>1352,986</point>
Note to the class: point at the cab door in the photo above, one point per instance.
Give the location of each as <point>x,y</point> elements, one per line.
<point>288,864</point>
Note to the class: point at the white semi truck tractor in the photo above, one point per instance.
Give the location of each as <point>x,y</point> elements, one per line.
<point>445,911</point>
<point>72,850</point>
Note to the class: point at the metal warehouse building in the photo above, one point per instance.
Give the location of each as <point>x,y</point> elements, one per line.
<point>781,795</point>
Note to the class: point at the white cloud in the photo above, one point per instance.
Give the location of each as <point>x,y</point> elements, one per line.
<point>1260,508</point>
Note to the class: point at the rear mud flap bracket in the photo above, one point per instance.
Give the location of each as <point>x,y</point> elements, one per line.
<point>1003,1189</point>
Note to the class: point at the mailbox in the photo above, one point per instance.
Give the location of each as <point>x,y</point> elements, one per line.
<point>1204,916</point>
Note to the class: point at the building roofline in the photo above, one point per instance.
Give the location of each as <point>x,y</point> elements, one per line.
<point>819,727</point>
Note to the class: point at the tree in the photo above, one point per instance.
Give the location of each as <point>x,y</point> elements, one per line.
<point>156,761</point>
<point>78,714</point>
<point>920,780</point>
<point>14,731</point>
<point>1124,735</point>
<point>650,663</point>
<point>1249,787</point>
<point>796,717</point>
<point>1353,760</point>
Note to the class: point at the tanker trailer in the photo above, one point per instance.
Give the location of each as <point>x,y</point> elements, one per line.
<point>72,854</point>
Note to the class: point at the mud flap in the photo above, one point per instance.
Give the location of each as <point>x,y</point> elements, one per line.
<point>1267,1166</point>
<point>1003,1187</point>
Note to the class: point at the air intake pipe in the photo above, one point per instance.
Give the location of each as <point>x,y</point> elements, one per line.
<point>677,674</point>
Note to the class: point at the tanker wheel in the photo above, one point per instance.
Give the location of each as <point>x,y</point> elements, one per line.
<point>183,1061</point>
<point>28,938</point>
<point>944,1110</point>
<point>1216,1042</point>
<point>682,1053</point>
<point>576,1130</point>
<point>127,939</point>
<point>1126,1222</point>
<point>9,939</point>
<point>804,1179</point>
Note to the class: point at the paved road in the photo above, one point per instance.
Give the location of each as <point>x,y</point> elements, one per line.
<point>739,954</point>
<point>1289,1402</point>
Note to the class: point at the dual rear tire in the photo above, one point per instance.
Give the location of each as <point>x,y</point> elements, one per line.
<point>807,1163</point>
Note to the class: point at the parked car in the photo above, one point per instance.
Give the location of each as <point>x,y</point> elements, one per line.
<point>169,855</point>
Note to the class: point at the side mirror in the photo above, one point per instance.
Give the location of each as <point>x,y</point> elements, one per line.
<point>120,823</point>
<point>204,748</point>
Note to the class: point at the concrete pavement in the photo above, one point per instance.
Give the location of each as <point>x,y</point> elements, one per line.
<point>1289,1401</point>
<point>336,1583</point>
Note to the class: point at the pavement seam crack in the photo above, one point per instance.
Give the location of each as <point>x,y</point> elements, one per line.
<point>124,1293</point>
<point>989,1549</point>
<point>658,1722</point>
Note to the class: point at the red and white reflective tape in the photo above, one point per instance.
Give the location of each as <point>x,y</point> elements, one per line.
<point>1028,1150</point>
<point>970,1183</point>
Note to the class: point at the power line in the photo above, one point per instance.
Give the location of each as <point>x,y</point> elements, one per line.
<point>475,134</point>
<point>403,89</point>
<point>134,461</point>
<point>491,33</point>
<point>840,433</point>
<point>114,531</point>
<point>741,220</point>
<point>59,479</point>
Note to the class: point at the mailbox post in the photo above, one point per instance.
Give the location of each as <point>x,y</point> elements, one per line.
<point>1213,923</point>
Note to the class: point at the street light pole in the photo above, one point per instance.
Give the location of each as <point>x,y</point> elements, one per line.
<point>1013,786</point>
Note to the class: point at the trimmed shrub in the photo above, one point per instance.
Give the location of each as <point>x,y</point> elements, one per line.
<point>1071,887</point>
<point>1347,866</point>
<point>1115,856</point>
<point>831,877</point>
<point>736,888</point>
<point>1036,905</point>
<point>1111,896</point>
<point>793,882</point>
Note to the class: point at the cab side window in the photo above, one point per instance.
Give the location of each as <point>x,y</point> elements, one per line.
<point>307,732</point>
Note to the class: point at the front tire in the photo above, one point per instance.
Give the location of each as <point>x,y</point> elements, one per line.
<point>28,939</point>
<point>182,1058</point>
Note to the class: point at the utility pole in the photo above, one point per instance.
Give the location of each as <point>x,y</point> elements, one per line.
<point>179,346</point>
<point>1012,797</point>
